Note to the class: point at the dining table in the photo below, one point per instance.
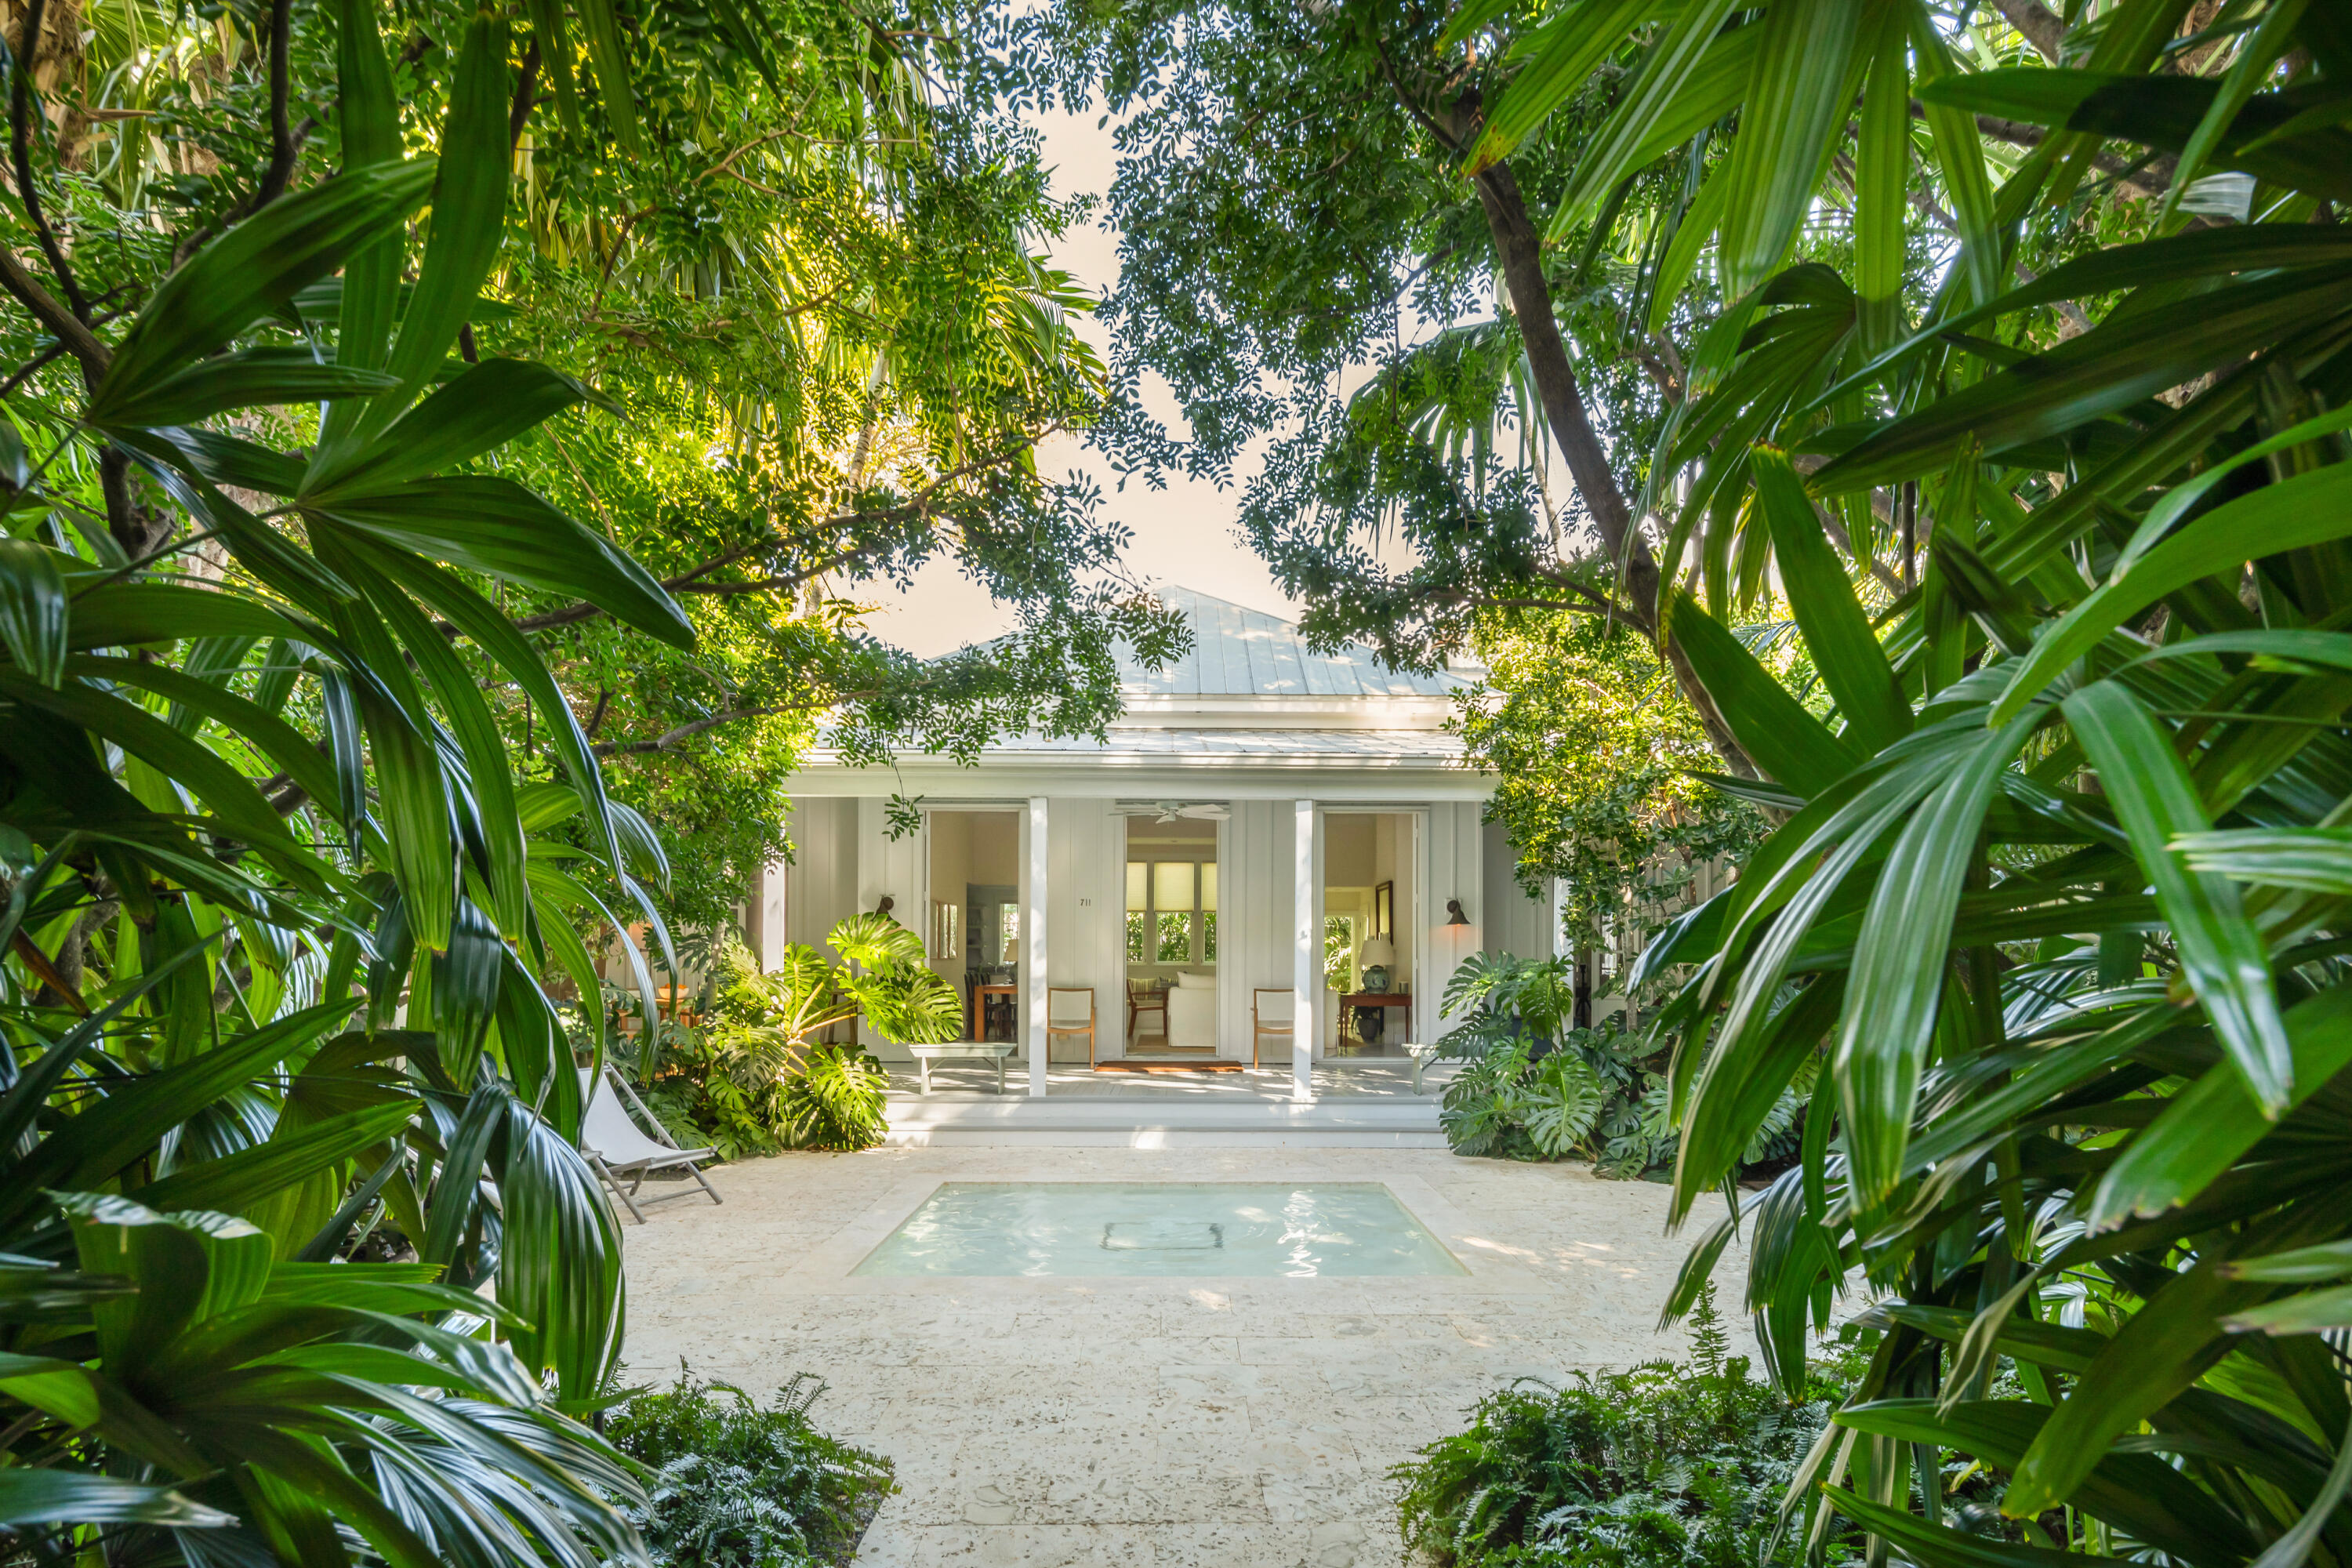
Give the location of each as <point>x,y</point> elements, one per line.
<point>992,1000</point>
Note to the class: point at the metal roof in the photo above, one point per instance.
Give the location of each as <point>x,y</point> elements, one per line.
<point>1242,652</point>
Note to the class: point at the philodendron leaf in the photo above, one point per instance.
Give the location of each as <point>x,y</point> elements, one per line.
<point>34,612</point>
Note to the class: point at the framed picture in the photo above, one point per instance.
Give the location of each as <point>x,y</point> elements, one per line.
<point>1384,911</point>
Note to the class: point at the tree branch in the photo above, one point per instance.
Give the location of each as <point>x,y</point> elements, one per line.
<point>283,148</point>
<point>2042,28</point>
<point>63,324</point>
<point>526,87</point>
<point>2149,177</point>
<point>669,738</point>
<point>1518,260</point>
<point>20,149</point>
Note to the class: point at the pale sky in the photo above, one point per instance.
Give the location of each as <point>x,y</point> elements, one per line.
<point>1185,534</point>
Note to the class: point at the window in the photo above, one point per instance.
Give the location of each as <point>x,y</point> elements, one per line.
<point>1172,911</point>
<point>1008,930</point>
<point>1175,937</point>
<point>1339,953</point>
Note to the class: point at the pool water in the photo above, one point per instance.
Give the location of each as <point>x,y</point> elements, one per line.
<point>1160,1230</point>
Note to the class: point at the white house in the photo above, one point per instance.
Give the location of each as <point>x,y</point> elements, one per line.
<point>1254,799</point>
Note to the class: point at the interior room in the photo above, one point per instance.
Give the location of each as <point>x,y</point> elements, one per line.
<point>1367,921</point>
<point>975,929</point>
<point>1171,937</point>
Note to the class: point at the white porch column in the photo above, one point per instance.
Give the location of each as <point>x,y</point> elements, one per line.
<point>1033,946</point>
<point>1306,976</point>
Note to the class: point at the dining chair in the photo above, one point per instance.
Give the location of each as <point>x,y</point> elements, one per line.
<point>1272,1012</point>
<point>1144,996</point>
<point>1070,1010</point>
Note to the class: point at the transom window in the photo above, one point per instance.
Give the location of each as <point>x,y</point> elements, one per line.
<point>1172,911</point>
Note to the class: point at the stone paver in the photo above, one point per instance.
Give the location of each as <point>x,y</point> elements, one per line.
<point>1209,1423</point>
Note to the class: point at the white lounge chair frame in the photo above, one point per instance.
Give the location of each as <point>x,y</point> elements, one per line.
<point>616,1144</point>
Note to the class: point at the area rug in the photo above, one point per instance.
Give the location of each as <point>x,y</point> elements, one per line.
<point>1167,1064</point>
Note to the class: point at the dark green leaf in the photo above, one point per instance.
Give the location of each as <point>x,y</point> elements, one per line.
<point>33,610</point>
<point>496,526</point>
<point>2308,508</point>
<point>38,1497</point>
<point>245,379</point>
<point>2221,953</point>
<point>253,271</point>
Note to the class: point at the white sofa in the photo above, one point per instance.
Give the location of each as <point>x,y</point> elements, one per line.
<point>1193,1013</point>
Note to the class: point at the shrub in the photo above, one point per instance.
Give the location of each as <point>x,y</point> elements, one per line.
<point>1660,1466</point>
<point>756,1078</point>
<point>1536,1087</point>
<point>736,1484</point>
<point>836,1100</point>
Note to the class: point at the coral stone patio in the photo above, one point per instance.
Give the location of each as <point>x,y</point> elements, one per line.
<point>1209,1423</point>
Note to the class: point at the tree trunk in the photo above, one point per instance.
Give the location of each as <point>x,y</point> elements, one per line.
<point>1519,251</point>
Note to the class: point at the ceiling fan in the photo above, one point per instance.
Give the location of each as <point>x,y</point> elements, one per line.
<point>1166,811</point>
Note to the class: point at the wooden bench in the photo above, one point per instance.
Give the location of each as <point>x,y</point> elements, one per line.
<point>957,1050</point>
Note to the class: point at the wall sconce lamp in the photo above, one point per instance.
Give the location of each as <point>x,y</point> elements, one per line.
<point>887,905</point>
<point>1453,912</point>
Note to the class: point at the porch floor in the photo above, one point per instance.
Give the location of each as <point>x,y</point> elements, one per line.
<point>1377,1078</point>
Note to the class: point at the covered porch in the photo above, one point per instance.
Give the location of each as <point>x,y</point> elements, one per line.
<point>1257,942</point>
<point>1264,875</point>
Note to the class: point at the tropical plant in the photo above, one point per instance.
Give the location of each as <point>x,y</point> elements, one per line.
<point>734,1483</point>
<point>758,1075</point>
<point>256,813</point>
<point>883,976</point>
<point>1663,1466</point>
<point>2059,891</point>
<point>1535,1086</point>
<point>710,1089</point>
<point>836,1100</point>
<point>1504,1104</point>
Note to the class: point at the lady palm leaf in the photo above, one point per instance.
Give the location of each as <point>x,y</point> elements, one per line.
<point>2064,932</point>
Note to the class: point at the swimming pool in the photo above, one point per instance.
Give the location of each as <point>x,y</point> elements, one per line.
<point>1160,1230</point>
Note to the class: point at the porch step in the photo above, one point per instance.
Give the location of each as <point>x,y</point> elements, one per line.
<point>1067,1121</point>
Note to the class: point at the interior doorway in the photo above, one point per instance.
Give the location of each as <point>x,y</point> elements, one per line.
<point>1369,910</point>
<point>1169,944</point>
<point>973,938</point>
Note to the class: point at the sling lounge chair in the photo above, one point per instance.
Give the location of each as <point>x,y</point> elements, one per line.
<point>616,1146</point>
